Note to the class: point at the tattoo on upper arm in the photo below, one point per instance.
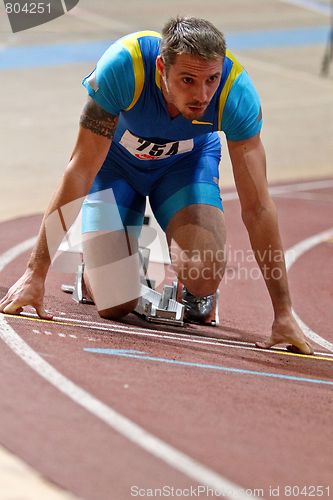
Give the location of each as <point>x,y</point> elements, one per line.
<point>97,120</point>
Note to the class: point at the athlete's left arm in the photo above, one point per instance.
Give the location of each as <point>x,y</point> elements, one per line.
<point>260,218</point>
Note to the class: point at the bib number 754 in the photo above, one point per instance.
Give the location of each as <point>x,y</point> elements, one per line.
<point>144,149</point>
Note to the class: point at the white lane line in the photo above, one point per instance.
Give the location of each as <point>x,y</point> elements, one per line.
<point>122,328</point>
<point>133,432</point>
<point>14,252</point>
<point>312,5</point>
<point>288,188</point>
<point>317,197</point>
<point>292,255</point>
<point>295,252</point>
<point>186,337</point>
<point>302,186</point>
<point>322,356</point>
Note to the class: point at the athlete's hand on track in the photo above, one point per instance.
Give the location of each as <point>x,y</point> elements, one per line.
<point>27,291</point>
<point>285,330</point>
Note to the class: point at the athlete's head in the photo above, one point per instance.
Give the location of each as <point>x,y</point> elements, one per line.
<point>190,63</point>
<point>192,36</point>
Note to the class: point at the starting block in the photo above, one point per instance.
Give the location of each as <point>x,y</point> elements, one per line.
<point>153,306</point>
<point>160,307</point>
<point>77,290</point>
<point>164,307</point>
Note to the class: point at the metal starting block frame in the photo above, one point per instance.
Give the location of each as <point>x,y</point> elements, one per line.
<point>161,307</point>
<point>77,289</point>
<point>165,307</point>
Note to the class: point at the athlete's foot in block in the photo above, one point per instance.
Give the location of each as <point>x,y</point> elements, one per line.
<point>287,332</point>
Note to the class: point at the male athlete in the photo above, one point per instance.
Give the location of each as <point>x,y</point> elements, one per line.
<point>149,128</point>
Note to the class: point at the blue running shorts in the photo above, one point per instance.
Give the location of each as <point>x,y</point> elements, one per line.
<point>117,199</point>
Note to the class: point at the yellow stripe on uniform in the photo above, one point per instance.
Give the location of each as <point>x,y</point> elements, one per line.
<point>158,78</point>
<point>236,70</point>
<point>131,43</point>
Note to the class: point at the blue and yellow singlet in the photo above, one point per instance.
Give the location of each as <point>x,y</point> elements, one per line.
<point>126,83</point>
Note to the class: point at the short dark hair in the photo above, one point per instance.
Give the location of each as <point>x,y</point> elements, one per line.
<point>191,35</point>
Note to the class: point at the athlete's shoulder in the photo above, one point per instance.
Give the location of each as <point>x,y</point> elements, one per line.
<point>143,47</point>
<point>239,103</point>
<point>140,39</point>
<point>130,50</point>
<point>231,71</point>
<point>117,81</point>
<point>234,64</point>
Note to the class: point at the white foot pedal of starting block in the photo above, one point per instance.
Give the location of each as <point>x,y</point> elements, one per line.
<point>160,307</point>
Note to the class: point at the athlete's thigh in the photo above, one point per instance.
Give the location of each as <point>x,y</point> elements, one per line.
<point>112,203</point>
<point>193,219</point>
<point>192,181</point>
<point>112,216</point>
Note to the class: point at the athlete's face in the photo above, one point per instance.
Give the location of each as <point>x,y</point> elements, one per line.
<point>189,84</point>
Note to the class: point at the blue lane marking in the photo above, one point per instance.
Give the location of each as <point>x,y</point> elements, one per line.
<point>129,353</point>
<point>83,52</point>
<point>249,40</point>
<point>51,55</point>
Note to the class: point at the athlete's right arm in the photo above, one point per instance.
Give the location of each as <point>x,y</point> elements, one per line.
<point>97,128</point>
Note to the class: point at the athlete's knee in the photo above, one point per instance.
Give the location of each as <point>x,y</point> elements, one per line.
<point>203,277</point>
<point>119,311</point>
<point>200,288</point>
<point>205,267</point>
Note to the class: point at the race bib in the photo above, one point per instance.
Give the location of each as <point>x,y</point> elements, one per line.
<point>147,150</point>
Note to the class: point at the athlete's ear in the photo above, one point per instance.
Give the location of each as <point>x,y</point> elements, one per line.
<point>160,65</point>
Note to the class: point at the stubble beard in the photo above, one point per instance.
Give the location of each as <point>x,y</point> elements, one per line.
<point>185,112</point>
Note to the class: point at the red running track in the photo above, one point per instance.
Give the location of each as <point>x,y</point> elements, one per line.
<point>258,419</point>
